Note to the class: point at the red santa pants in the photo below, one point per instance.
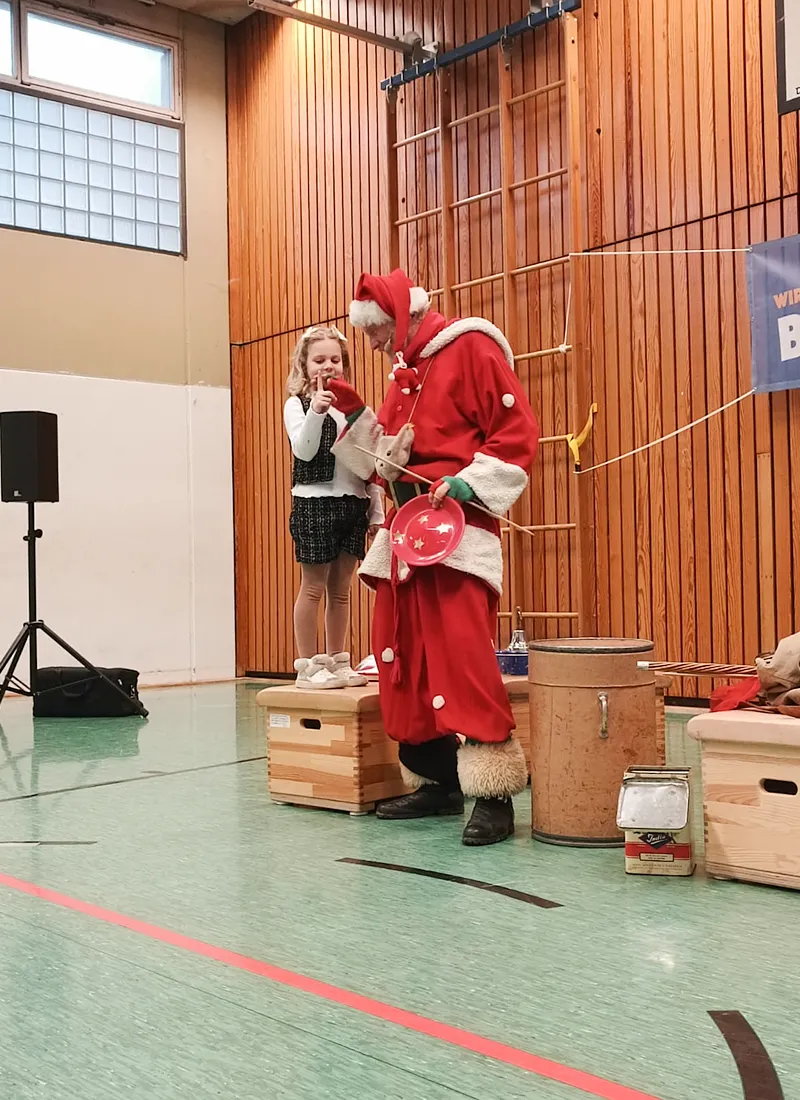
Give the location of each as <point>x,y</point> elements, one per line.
<point>433,640</point>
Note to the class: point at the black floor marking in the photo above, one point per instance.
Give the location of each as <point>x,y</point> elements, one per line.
<point>506,891</point>
<point>133,779</point>
<point>758,1075</point>
<point>47,843</point>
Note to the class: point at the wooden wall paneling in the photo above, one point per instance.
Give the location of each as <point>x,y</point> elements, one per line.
<point>769,80</point>
<point>647,96</point>
<point>684,491</point>
<point>641,467</point>
<point>722,113</point>
<point>748,584</point>
<point>564,150</point>
<point>738,105</point>
<point>692,109</point>
<point>628,440</point>
<point>763,460</point>
<point>676,107</point>
<point>781,489</point>
<point>700,452</point>
<point>732,457</point>
<point>716,427</point>
<point>755,114</point>
<point>670,479</point>
<point>706,15</point>
<point>654,363</point>
<point>662,127</point>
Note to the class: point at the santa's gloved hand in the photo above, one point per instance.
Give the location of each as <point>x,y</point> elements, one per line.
<point>454,487</point>
<point>346,399</point>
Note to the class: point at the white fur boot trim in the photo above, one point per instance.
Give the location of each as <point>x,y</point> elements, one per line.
<point>412,780</point>
<point>492,770</point>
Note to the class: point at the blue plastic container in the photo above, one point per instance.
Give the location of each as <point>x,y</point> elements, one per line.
<point>513,662</point>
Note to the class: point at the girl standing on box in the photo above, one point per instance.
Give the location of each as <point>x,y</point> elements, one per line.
<point>332,509</point>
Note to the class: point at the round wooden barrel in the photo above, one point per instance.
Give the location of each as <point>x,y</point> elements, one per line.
<point>593,714</point>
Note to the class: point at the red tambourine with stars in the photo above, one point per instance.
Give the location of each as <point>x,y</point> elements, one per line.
<point>424,535</point>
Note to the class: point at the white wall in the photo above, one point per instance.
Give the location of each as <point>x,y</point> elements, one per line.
<point>136,562</point>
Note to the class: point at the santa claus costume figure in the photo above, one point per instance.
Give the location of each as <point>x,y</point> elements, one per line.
<point>456,415</point>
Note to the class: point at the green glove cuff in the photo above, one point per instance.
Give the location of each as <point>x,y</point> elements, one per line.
<point>459,490</point>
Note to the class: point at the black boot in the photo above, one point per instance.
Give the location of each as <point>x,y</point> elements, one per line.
<point>429,801</point>
<point>492,821</point>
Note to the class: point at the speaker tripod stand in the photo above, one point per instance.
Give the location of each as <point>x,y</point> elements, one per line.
<point>29,635</point>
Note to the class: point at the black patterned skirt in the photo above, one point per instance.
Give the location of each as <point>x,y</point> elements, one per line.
<point>322,528</point>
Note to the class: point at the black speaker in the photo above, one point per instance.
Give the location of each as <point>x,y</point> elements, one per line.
<point>28,456</point>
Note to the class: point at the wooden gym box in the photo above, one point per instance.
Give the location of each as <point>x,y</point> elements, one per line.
<point>328,748</point>
<point>751,777</point>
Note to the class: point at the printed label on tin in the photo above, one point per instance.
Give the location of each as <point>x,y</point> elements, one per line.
<point>656,857</point>
<point>656,840</point>
<point>279,721</point>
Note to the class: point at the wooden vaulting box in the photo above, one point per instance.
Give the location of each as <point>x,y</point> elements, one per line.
<point>751,795</point>
<point>328,749</point>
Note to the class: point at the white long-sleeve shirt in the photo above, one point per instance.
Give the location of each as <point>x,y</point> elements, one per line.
<point>305,434</point>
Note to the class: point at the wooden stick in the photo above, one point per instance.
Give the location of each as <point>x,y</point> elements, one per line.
<point>424,480</point>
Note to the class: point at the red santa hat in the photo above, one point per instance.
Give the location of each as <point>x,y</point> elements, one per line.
<point>381,299</point>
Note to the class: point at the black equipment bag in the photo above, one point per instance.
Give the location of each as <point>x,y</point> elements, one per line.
<point>78,693</point>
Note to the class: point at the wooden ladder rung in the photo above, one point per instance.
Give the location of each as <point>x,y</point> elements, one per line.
<point>543,178</point>
<point>545,88</point>
<point>476,198</point>
<point>415,137</point>
<point>475,114</point>
<point>419,217</point>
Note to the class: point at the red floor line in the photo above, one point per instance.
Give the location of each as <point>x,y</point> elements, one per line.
<point>422,1025</point>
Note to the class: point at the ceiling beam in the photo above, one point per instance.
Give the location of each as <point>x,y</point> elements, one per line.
<point>404,45</point>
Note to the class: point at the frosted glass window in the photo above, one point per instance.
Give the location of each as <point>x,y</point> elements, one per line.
<point>6,40</point>
<point>74,56</point>
<point>89,174</point>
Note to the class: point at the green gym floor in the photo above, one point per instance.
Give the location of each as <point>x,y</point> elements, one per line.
<point>166,932</point>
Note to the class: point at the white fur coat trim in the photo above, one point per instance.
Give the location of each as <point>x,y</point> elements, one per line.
<point>498,485</point>
<point>480,553</point>
<point>459,328</point>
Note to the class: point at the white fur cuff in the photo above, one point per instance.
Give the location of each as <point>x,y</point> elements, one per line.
<point>479,553</point>
<point>498,485</point>
<point>412,780</point>
<point>492,770</point>
<point>364,432</point>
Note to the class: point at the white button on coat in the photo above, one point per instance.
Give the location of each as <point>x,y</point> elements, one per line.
<point>509,400</point>
<point>387,656</point>
<point>438,702</point>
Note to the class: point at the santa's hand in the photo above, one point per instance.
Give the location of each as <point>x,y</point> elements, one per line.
<point>346,399</point>
<point>454,487</point>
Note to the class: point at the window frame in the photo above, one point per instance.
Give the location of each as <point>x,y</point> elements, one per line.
<point>100,23</point>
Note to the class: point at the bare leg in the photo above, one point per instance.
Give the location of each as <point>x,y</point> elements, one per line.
<point>337,610</point>
<point>306,608</point>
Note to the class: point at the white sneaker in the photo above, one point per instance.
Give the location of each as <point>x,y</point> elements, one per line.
<point>318,674</point>
<point>342,667</point>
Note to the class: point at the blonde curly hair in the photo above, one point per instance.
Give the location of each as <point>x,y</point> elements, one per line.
<point>298,382</point>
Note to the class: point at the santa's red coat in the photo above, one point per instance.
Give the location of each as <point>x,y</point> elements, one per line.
<point>434,628</point>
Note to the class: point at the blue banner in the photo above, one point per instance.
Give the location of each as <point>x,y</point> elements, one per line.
<point>773,285</point>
